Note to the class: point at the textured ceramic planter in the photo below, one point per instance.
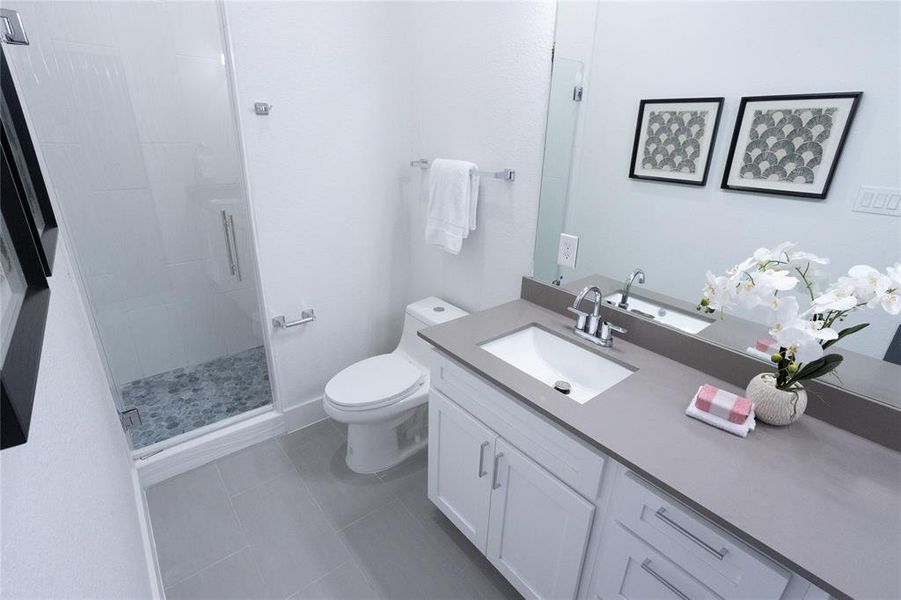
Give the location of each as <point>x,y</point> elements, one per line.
<point>776,407</point>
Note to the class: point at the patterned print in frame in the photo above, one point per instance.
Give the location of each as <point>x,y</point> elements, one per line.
<point>674,139</point>
<point>789,144</point>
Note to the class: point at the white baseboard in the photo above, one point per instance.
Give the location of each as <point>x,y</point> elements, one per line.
<point>301,415</point>
<point>207,448</point>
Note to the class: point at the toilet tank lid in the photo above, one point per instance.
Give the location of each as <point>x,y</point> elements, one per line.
<point>433,311</point>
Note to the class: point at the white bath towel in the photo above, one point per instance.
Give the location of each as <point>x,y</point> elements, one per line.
<point>453,202</point>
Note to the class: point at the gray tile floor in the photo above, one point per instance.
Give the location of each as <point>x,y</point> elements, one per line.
<point>288,519</point>
<point>185,399</point>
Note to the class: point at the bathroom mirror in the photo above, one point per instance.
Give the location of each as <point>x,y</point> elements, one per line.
<point>611,56</point>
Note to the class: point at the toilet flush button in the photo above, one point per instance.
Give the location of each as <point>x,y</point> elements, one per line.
<point>438,309</point>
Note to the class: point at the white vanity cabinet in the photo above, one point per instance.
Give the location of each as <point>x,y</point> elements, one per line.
<point>561,520</point>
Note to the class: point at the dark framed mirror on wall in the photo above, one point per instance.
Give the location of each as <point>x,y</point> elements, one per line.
<point>27,246</point>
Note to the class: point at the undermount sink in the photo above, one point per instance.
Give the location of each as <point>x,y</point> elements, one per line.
<point>667,316</point>
<point>552,359</point>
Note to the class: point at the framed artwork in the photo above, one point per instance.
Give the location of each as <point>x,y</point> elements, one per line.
<point>789,145</point>
<point>674,139</point>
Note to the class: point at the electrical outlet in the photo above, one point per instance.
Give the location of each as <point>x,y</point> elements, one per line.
<point>566,253</point>
<point>879,200</point>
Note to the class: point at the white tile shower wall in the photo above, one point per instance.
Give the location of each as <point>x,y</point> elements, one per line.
<point>131,109</point>
<point>612,212</point>
<point>70,520</point>
<point>482,75</point>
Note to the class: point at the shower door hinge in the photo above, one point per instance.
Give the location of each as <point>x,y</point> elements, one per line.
<point>577,93</point>
<point>11,29</point>
<point>130,418</point>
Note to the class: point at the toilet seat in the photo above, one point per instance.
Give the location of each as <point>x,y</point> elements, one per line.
<point>374,382</point>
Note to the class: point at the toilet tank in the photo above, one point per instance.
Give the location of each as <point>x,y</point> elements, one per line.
<point>419,315</point>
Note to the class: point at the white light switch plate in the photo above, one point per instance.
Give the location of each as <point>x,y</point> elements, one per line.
<point>878,200</point>
<point>566,253</point>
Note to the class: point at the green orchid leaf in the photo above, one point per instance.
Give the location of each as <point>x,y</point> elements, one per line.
<point>846,332</point>
<point>817,368</point>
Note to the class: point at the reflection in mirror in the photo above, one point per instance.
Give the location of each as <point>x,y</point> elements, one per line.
<point>618,54</point>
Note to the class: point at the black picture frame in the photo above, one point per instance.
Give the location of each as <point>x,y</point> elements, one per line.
<point>24,205</point>
<point>31,185</point>
<point>18,379</point>
<point>637,169</point>
<point>821,181</point>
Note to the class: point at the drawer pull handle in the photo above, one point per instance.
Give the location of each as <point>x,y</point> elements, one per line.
<point>646,566</point>
<point>661,514</point>
<point>495,484</point>
<point>482,471</point>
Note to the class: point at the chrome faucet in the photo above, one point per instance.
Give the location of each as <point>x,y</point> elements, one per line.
<point>624,297</point>
<point>593,327</point>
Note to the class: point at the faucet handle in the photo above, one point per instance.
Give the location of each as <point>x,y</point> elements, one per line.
<point>581,315</point>
<point>616,328</point>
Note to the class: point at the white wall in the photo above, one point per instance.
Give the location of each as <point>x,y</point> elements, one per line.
<point>324,171</point>
<point>131,109</point>
<point>358,90</point>
<point>69,520</point>
<point>481,91</point>
<point>731,49</point>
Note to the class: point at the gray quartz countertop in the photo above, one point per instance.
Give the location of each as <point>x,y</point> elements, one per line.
<point>823,502</point>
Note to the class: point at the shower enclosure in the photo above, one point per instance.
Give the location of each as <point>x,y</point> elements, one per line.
<point>131,108</point>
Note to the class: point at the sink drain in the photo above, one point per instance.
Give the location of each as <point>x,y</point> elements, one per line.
<point>563,387</point>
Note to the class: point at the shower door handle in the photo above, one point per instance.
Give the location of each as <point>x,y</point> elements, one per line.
<point>231,244</point>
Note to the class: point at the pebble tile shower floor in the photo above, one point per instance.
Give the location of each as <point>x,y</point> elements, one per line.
<point>287,519</point>
<point>185,399</point>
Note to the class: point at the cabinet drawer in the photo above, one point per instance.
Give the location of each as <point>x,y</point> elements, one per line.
<point>560,452</point>
<point>629,569</point>
<point>720,562</point>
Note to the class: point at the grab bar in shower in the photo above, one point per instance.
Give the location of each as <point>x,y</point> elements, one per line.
<point>306,316</point>
<point>506,174</point>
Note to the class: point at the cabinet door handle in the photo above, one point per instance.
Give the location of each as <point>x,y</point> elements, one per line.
<point>482,471</point>
<point>661,514</point>
<point>646,566</point>
<point>494,482</point>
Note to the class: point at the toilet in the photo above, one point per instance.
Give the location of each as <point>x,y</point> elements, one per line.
<point>384,399</point>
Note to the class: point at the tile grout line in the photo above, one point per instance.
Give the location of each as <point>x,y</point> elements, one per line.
<point>209,566</point>
<point>458,569</point>
<point>338,532</point>
<point>231,505</point>
<point>262,483</point>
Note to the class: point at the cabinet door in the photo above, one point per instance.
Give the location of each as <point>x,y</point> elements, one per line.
<point>538,529</point>
<point>460,459</point>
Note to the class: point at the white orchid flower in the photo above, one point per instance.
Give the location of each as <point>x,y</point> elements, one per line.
<point>719,292</point>
<point>865,279</point>
<point>801,343</point>
<point>839,297</point>
<point>891,303</point>
<point>785,313</point>
<point>894,273</point>
<point>808,257</point>
<point>778,253</point>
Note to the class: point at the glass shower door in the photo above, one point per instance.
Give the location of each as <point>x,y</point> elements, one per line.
<point>132,112</point>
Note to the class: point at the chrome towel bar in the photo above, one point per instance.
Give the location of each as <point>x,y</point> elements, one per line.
<point>306,316</point>
<point>506,174</point>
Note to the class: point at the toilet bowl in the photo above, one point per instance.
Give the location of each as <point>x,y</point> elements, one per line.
<point>384,399</point>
